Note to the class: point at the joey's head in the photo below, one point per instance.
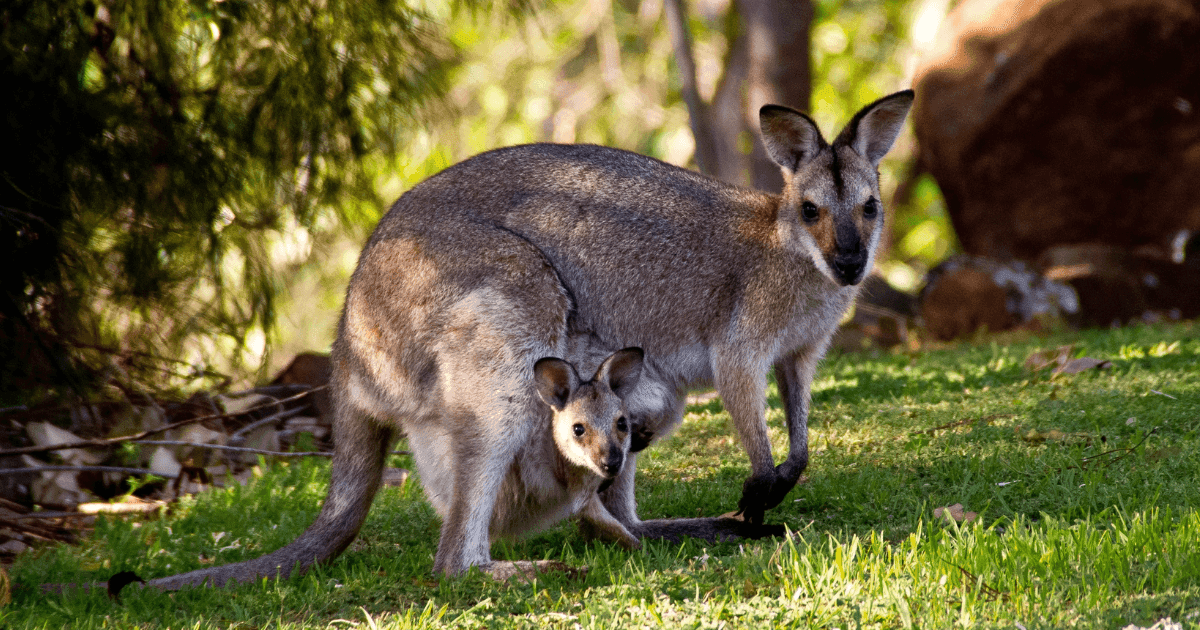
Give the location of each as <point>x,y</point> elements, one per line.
<point>830,209</point>
<point>589,422</point>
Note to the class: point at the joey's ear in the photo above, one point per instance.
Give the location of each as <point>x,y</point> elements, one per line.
<point>555,380</point>
<point>621,371</point>
<point>791,138</point>
<point>875,127</point>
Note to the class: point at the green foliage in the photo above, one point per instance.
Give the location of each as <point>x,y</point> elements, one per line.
<point>1093,526</point>
<point>166,157</point>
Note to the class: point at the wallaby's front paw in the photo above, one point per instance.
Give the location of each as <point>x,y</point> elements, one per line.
<point>639,438</point>
<point>526,570</point>
<point>609,532</point>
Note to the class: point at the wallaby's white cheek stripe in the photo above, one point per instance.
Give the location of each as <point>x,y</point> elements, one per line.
<point>818,257</point>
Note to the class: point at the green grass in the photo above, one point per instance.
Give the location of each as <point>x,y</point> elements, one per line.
<point>1085,486</point>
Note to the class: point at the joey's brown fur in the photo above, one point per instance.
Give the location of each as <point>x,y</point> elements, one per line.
<point>574,251</point>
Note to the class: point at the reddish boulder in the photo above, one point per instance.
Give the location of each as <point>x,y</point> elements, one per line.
<point>1052,122</point>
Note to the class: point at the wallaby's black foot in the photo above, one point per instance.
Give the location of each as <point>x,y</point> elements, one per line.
<point>762,493</point>
<point>119,581</point>
<point>755,531</point>
<point>720,529</point>
<point>526,570</point>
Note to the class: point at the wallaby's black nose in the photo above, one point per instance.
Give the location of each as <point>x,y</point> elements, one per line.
<point>849,268</point>
<point>612,463</point>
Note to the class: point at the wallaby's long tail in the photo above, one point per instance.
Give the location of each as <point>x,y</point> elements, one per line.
<point>360,450</point>
<point>718,529</point>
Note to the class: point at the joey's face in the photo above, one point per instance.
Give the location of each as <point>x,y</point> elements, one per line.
<point>834,215</point>
<point>590,425</point>
<point>592,430</point>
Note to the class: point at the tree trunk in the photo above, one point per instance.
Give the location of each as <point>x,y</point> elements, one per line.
<point>768,62</point>
<point>780,71</point>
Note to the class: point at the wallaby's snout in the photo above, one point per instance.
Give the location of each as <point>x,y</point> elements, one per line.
<point>849,267</point>
<point>613,462</point>
<point>849,261</point>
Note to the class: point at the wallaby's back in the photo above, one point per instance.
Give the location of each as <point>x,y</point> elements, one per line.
<point>604,216</point>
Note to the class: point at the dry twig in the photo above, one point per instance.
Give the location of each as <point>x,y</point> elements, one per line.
<point>29,450</point>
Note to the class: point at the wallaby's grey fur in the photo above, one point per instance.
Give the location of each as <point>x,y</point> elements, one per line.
<point>572,251</point>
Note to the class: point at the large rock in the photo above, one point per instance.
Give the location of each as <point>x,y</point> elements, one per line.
<point>1052,122</point>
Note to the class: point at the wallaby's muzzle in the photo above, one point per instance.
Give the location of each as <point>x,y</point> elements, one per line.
<point>849,259</point>
<point>611,466</point>
<point>849,267</point>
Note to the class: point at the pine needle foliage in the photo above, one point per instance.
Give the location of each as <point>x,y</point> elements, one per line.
<point>160,153</point>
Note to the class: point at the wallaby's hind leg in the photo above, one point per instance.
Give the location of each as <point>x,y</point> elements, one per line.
<point>483,453</point>
<point>618,499</point>
<point>360,450</point>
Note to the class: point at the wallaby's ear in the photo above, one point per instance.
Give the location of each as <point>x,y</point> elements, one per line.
<point>621,371</point>
<point>875,127</point>
<point>555,380</point>
<point>791,138</point>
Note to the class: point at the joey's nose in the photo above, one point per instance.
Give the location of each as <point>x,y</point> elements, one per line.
<point>612,463</point>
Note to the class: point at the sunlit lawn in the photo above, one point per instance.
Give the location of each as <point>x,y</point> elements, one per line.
<point>1085,488</point>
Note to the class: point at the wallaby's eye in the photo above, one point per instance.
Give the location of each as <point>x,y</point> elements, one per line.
<point>579,430</point>
<point>622,425</point>
<point>809,212</point>
<point>871,208</point>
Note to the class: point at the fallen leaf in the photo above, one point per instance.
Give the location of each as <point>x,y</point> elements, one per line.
<point>237,404</point>
<point>264,438</point>
<point>1060,359</point>
<point>1046,358</point>
<point>1082,364</point>
<point>13,547</point>
<point>1170,452</point>
<point>954,512</point>
<point>395,477</point>
<point>132,505</point>
<point>1033,436</point>
<point>5,588</point>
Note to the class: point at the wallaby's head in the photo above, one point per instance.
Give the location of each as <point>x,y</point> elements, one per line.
<point>831,209</point>
<point>589,423</point>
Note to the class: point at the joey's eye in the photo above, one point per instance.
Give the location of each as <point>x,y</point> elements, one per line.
<point>809,212</point>
<point>871,208</point>
<point>622,424</point>
<point>579,430</point>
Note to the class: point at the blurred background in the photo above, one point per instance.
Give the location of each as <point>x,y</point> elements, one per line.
<point>187,183</point>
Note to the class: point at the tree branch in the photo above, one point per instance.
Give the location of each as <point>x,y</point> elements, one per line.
<point>681,42</point>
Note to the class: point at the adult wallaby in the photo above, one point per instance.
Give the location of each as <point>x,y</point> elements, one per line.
<point>568,250</point>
